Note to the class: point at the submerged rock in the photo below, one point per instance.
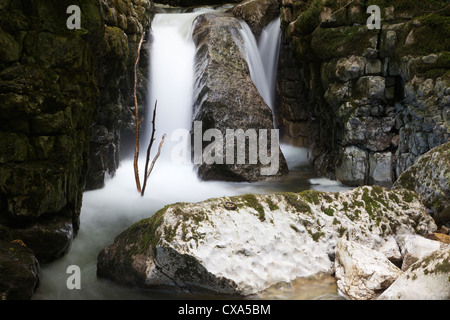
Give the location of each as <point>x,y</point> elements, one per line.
<point>225,99</point>
<point>244,244</point>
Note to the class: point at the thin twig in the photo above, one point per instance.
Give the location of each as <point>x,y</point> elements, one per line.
<point>138,122</point>
<point>150,145</point>
<point>153,163</point>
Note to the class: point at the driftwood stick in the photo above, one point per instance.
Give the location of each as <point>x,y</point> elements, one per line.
<point>138,121</point>
<point>150,145</point>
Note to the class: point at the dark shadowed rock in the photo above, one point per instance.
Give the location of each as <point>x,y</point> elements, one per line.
<point>19,271</point>
<point>226,98</point>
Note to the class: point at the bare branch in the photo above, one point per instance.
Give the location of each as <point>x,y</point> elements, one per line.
<point>153,164</point>
<point>136,115</point>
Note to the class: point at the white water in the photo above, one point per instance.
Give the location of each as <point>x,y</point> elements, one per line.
<point>262,58</point>
<point>108,211</point>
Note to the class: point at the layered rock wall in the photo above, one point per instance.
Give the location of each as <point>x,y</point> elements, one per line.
<point>367,102</point>
<point>61,91</point>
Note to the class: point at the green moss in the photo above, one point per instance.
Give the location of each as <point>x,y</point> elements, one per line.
<point>341,231</point>
<point>371,204</point>
<point>317,235</point>
<point>329,212</point>
<point>272,205</point>
<point>308,20</point>
<point>329,43</point>
<point>432,36</point>
<point>250,200</point>
<point>408,196</point>
<point>311,196</point>
<point>297,202</point>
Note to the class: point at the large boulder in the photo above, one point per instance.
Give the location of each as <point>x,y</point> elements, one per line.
<point>241,245</point>
<point>225,99</point>
<point>430,178</point>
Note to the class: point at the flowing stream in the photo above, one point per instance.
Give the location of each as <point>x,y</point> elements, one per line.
<point>110,210</point>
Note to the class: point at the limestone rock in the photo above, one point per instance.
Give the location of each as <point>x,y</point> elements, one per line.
<point>391,250</point>
<point>351,68</point>
<point>427,279</point>
<point>430,178</point>
<point>414,248</point>
<point>361,272</point>
<point>351,170</point>
<point>244,244</point>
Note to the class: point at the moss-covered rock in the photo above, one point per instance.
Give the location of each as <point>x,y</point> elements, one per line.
<point>53,89</point>
<point>243,244</point>
<point>430,178</point>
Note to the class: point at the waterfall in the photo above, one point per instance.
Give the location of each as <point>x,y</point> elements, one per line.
<point>262,58</point>
<point>108,211</point>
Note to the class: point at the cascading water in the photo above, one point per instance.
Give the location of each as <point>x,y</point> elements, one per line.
<point>108,211</point>
<point>262,58</point>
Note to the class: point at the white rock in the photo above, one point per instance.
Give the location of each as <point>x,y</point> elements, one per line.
<point>361,272</point>
<point>265,240</point>
<point>427,279</point>
<point>391,250</point>
<point>414,248</point>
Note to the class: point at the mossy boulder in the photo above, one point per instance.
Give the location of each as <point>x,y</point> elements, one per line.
<point>241,245</point>
<point>430,178</point>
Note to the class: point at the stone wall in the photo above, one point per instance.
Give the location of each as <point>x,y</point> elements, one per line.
<point>367,102</point>
<point>61,91</point>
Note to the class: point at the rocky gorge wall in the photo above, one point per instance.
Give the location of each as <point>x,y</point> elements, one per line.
<point>366,102</point>
<point>62,95</point>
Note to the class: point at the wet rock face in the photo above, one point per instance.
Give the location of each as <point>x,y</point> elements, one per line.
<point>55,83</point>
<point>20,271</point>
<point>114,126</point>
<point>225,98</point>
<point>375,90</point>
<point>257,13</point>
<point>49,98</point>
